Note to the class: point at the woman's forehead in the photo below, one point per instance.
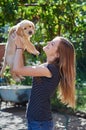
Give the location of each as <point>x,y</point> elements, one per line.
<point>56,40</point>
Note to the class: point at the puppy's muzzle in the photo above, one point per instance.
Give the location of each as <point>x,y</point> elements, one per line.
<point>30,32</point>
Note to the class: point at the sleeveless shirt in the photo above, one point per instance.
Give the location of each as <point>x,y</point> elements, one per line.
<point>39,108</point>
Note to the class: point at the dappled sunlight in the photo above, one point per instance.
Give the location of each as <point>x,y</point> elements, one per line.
<point>12,117</point>
<point>68,122</point>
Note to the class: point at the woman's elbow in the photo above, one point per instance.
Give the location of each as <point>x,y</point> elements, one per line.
<point>14,71</point>
<point>17,71</point>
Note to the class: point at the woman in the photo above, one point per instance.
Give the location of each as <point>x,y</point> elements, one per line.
<point>59,70</point>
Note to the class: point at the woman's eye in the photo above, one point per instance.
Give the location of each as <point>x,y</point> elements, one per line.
<point>52,43</point>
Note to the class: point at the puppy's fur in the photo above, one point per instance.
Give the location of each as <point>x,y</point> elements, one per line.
<point>25,29</point>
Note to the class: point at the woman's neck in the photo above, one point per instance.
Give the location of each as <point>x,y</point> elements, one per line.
<point>50,59</point>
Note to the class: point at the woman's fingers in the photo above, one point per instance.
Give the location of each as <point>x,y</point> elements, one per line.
<point>13,35</point>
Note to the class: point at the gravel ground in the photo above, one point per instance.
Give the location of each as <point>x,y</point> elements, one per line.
<point>13,118</point>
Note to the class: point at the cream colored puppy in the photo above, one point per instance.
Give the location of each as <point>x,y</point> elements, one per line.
<point>25,29</point>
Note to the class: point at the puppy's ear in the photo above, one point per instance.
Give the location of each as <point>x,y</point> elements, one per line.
<point>20,31</point>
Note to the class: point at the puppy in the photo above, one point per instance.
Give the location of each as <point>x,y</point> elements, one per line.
<point>25,29</point>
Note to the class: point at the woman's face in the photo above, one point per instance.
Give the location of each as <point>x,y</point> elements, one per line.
<point>51,49</point>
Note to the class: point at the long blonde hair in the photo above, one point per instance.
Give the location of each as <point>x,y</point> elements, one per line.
<point>67,71</point>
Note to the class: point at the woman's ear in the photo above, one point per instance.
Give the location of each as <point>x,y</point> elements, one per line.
<point>20,31</point>
<point>58,54</point>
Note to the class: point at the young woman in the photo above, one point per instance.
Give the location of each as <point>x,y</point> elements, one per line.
<point>59,70</point>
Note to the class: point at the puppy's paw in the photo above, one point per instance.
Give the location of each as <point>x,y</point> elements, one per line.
<point>37,53</point>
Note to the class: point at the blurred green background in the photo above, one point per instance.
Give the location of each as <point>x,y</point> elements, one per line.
<point>51,18</point>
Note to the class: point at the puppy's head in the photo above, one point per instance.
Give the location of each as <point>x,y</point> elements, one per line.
<point>26,28</point>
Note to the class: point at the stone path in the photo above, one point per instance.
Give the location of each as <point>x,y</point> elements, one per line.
<point>13,118</point>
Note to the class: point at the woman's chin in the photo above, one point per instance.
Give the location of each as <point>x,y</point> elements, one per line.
<point>44,49</point>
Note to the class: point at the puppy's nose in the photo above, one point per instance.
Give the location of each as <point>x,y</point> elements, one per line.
<point>30,32</point>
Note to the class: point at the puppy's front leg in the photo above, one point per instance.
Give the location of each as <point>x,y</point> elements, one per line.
<point>31,48</point>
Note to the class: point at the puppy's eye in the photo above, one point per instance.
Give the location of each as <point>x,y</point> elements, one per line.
<point>25,28</point>
<point>30,26</point>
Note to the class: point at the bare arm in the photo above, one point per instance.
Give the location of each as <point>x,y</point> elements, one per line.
<point>20,69</point>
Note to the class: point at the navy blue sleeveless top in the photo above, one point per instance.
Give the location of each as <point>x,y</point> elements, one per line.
<point>42,89</point>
